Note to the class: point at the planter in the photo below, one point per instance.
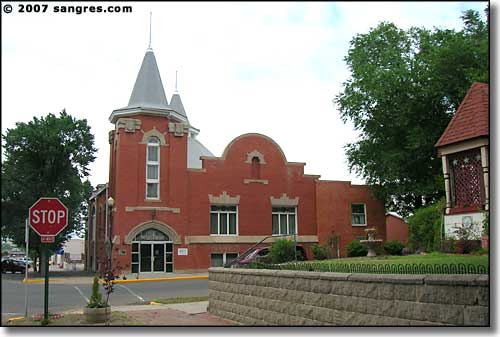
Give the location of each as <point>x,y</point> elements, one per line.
<point>485,242</point>
<point>96,315</point>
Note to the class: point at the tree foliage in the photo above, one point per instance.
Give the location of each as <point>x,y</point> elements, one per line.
<point>404,87</point>
<point>424,227</point>
<point>282,250</point>
<point>46,157</point>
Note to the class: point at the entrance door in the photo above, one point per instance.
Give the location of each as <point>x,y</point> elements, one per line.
<point>152,252</point>
<point>145,257</point>
<point>159,257</point>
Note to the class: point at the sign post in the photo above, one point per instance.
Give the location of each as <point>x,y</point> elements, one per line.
<point>27,239</point>
<point>48,217</point>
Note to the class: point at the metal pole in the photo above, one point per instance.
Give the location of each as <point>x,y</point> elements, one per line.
<point>46,294</point>
<point>27,238</point>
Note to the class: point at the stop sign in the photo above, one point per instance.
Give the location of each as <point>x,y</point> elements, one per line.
<point>48,216</point>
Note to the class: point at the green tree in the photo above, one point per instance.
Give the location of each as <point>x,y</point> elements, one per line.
<point>46,157</point>
<point>424,227</point>
<point>404,87</point>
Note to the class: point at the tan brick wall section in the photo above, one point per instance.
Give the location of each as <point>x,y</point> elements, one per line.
<point>278,297</point>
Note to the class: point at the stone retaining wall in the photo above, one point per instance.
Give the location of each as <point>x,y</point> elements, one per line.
<point>279,297</point>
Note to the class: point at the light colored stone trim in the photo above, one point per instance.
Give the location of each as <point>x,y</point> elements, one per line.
<point>255,153</point>
<point>447,187</point>
<point>284,200</point>
<point>178,129</point>
<point>224,199</point>
<point>197,170</point>
<point>190,239</point>
<point>258,181</point>
<point>462,146</point>
<point>152,208</point>
<point>153,133</point>
<point>314,176</point>
<point>162,227</point>
<point>486,178</point>
<point>129,124</point>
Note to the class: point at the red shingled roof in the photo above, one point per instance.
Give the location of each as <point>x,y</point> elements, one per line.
<point>471,119</point>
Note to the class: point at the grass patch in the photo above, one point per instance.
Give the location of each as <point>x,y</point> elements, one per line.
<point>118,318</point>
<point>182,300</point>
<point>432,263</point>
<point>431,258</point>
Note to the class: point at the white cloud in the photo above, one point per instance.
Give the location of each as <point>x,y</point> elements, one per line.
<point>272,68</point>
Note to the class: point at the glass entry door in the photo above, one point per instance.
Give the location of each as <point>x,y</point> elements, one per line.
<point>159,257</point>
<point>146,258</point>
<point>152,252</point>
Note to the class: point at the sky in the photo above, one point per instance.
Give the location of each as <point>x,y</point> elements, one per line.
<point>270,68</point>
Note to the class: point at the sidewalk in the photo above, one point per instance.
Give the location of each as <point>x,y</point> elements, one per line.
<point>180,314</point>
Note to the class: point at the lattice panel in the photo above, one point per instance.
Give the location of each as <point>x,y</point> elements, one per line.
<point>467,178</point>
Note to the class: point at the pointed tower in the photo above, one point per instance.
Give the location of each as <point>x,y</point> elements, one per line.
<point>148,95</point>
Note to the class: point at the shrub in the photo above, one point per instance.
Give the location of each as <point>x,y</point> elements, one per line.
<point>355,248</point>
<point>320,252</point>
<point>424,228</point>
<point>282,251</point>
<point>96,300</point>
<point>393,247</point>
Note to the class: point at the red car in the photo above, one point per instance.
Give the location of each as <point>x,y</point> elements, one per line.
<point>261,254</point>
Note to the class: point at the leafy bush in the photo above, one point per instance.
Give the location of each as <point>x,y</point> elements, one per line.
<point>393,247</point>
<point>320,252</point>
<point>282,251</point>
<point>96,300</point>
<point>424,228</point>
<point>355,248</point>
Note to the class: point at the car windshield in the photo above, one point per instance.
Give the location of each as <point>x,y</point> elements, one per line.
<point>263,252</point>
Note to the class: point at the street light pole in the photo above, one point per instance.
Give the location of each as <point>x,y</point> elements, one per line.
<point>110,202</point>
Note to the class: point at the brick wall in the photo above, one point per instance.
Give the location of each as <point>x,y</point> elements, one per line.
<point>333,212</point>
<point>397,229</point>
<point>276,297</point>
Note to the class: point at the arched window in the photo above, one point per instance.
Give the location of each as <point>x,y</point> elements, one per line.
<point>255,168</point>
<point>153,169</point>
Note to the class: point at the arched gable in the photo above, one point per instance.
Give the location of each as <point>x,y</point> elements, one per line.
<point>162,227</point>
<point>254,152</point>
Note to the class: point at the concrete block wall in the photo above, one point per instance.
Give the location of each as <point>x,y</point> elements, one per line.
<point>279,297</point>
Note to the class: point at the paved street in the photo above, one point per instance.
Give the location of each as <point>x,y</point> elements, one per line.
<point>72,296</point>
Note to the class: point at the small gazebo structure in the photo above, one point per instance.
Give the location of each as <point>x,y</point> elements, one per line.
<point>463,147</point>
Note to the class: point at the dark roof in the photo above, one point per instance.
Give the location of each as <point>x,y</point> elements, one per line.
<point>471,119</point>
<point>148,90</point>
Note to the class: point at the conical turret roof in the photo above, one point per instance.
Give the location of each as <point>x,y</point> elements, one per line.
<point>176,104</point>
<point>148,90</point>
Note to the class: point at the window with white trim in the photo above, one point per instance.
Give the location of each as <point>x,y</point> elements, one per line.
<point>284,220</point>
<point>223,220</point>
<point>358,214</point>
<point>153,168</point>
<point>220,259</point>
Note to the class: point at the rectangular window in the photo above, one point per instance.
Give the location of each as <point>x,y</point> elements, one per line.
<point>358,214</point>
<point>153,169</point>
<point>223,220</point>
<point>220,259</point>
<point>284,220</point>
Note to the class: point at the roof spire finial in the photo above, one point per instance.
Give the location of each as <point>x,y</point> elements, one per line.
<point>150,19</point>
<point>176,82</point>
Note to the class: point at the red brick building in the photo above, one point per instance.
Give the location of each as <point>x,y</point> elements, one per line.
<point>464,149</point>
<point>175,206</point>
<point>397,228</point>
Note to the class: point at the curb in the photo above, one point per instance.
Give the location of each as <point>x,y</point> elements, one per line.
<point>159,279</point>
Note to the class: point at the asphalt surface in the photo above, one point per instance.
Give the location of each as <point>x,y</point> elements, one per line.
<point>69,296</point>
